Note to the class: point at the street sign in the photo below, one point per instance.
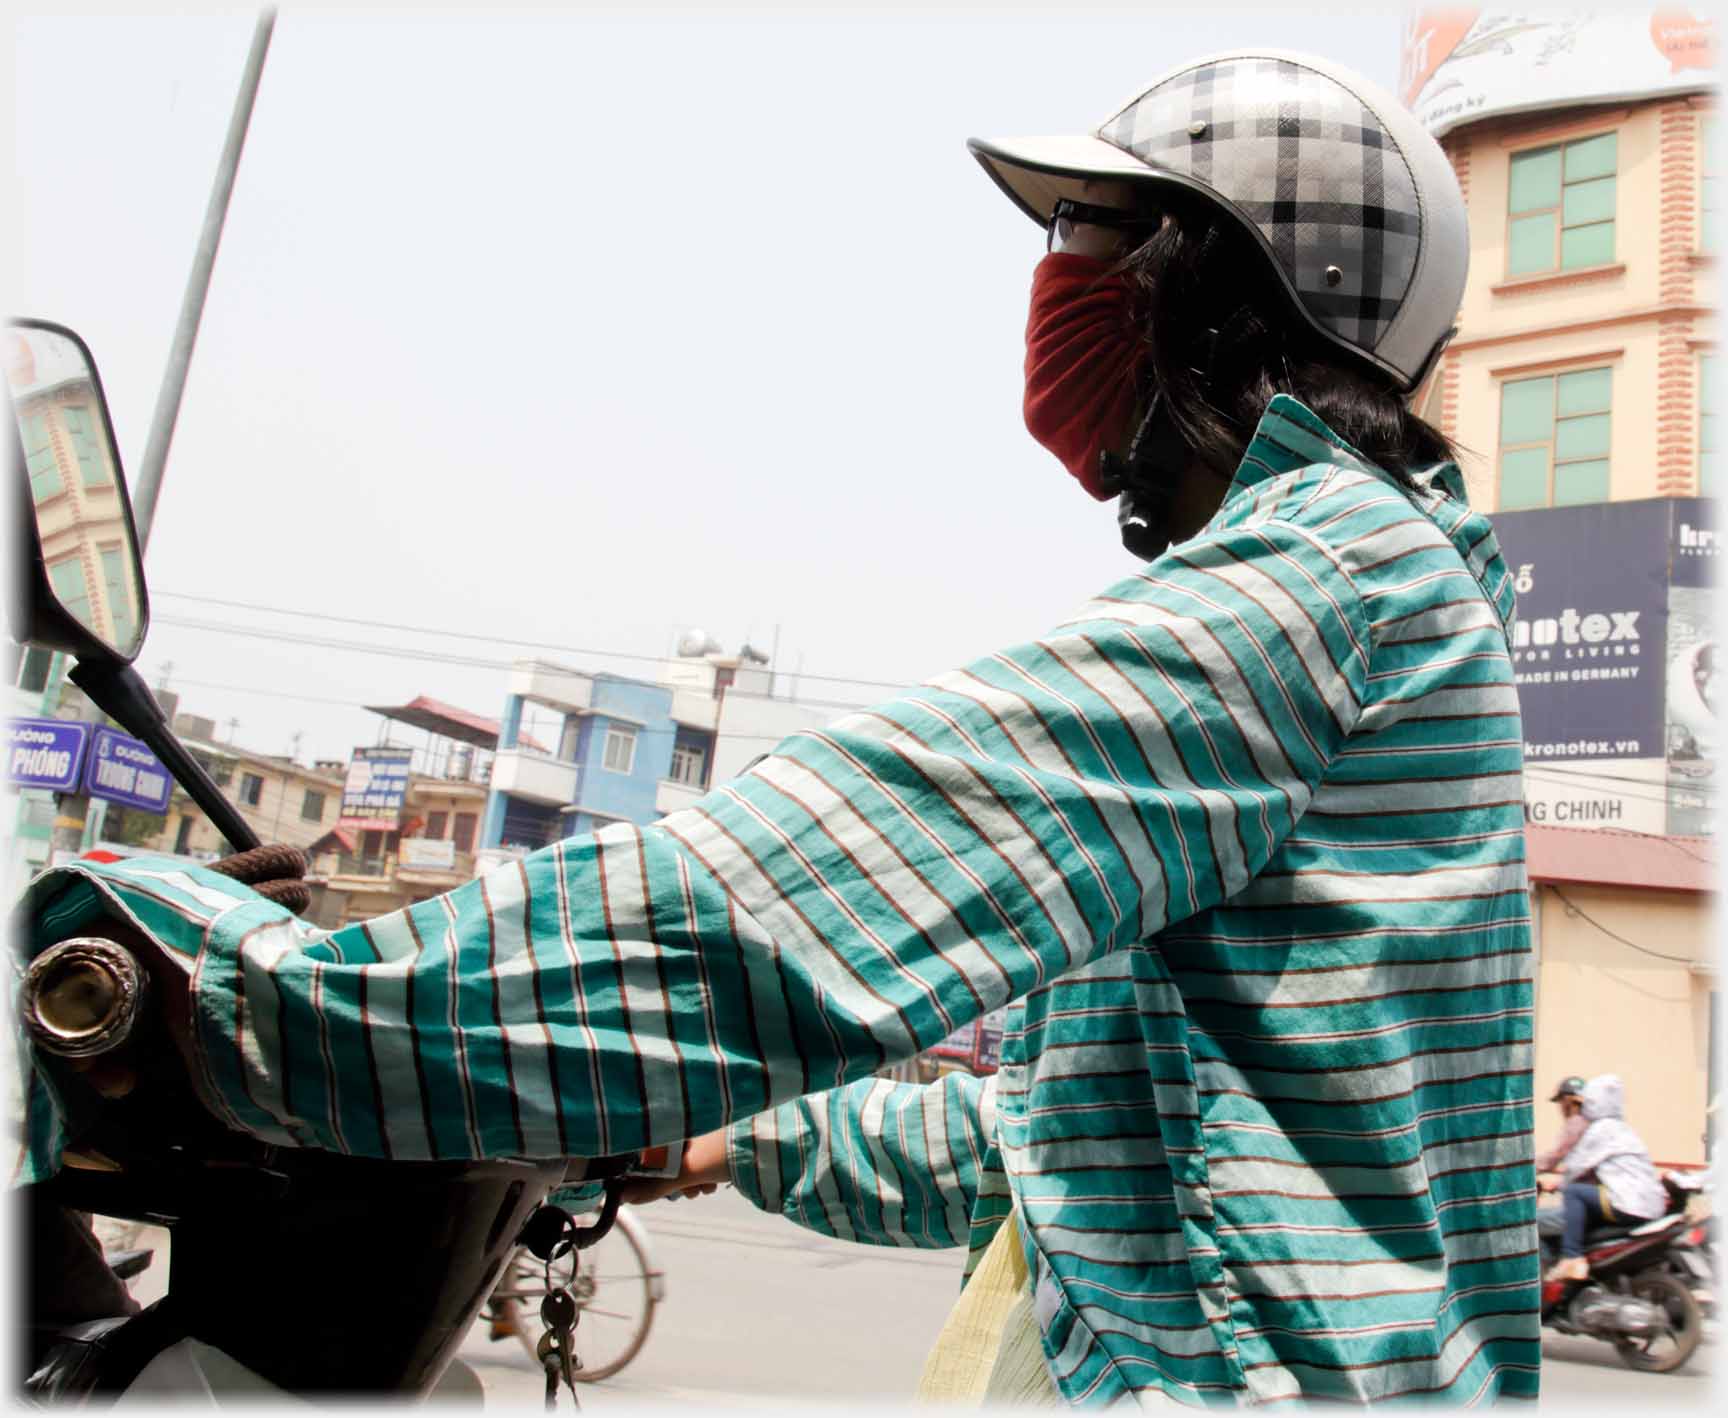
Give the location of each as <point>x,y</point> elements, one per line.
<point>123,770</point>
<point>45,753</point>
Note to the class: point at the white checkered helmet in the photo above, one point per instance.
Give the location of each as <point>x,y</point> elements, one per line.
<point>1353,202</point>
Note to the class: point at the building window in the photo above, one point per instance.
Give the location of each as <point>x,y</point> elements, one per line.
<point>1706,425</point>
<point>86,445</point>
<point>1709,195</point>
<point>689,763</point>
<point>116,583</point>
<point>1554,439</point>
<point>71,589</point>
<point>44,468</point>
<point>33,669</point>
<point>463,835</point>
<point>436,823</point>
<point>1560,207</point>
<point>251,789</point>
<point>620,748</point>
<point>312,807</point>
<point>569,737</point>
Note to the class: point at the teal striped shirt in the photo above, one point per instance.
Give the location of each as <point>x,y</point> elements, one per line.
<point>1242,840</point>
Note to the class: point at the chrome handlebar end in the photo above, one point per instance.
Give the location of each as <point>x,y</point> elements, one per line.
<point>82,997</point>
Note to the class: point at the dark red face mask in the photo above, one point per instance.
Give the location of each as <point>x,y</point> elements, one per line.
<point>1083,359</point>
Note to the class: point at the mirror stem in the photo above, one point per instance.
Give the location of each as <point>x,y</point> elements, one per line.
<point>120,692</point>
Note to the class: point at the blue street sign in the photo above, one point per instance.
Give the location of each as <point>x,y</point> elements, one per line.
<point>45,753</point>
<point>124,771</point>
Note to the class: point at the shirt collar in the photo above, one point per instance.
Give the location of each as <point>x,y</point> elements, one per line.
<point>1290,435</point>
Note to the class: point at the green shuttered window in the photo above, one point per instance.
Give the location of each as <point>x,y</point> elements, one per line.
<point>1560,206</point>
<point>1554,439</point>
<point>39,460</point>
<point>86,445</point>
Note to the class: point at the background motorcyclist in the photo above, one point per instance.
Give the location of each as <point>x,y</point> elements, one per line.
<point>1569,1094</point>
<point>1607,1179</point>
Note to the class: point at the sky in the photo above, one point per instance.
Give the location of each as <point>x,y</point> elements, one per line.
<point>580,328</point>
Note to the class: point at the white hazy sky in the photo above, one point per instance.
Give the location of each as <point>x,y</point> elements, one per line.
<point>583,327</point>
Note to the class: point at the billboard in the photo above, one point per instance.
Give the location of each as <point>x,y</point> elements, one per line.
<point>374,790</point>
<point>123,770</point>
<point>1613,648</point>
<point>1459,65</point>
<point>45,753</point>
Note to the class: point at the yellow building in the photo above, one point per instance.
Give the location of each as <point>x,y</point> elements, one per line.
<point>371,872</point>
<point>1579,390</point>
<point>1582,359</point>
<point>281,800</point>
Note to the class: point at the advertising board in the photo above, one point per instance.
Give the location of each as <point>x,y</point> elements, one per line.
<point>1614,653</point>
<point>1459,65</point>
<point>426,854</point>
<point>373,792</point>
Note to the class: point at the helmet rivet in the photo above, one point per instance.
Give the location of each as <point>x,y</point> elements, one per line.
<point>1333,275</point>
<point>1196,128</point>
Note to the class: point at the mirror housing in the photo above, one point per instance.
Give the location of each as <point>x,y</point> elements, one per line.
<point>80,577</point>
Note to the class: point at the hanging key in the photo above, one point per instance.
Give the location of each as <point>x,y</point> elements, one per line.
<point>551,1360</point>
<point>557,1348</point>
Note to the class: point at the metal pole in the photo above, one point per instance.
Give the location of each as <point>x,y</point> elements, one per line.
<point>148,483</point>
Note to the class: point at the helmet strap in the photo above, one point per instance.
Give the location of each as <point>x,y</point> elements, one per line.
<point>1143,479</point>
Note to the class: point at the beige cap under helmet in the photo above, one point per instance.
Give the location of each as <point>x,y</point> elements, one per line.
<point>1348,195</point>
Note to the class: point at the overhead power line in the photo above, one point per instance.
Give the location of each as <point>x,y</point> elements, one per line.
<point>1577,910</point>
<point>443,657</point>
<point>355,704</point>
<point>493,639</point>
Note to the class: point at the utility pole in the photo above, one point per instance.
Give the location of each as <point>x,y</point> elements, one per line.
<point>78,822</point>
<point>147,485</point>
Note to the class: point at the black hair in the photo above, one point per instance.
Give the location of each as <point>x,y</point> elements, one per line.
<point>1198,275</point>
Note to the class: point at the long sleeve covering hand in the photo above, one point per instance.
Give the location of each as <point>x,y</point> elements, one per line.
<point>876,1161</point>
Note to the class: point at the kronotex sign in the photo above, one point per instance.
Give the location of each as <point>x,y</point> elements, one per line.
<point>1614,650</point>
<point>1465,64</point>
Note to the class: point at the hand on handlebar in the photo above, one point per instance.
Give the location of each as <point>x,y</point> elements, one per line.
<point>702,1172</point>
<point>1546,1183</point>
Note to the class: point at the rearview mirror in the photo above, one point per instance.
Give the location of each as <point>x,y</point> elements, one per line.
<point>83,588</point>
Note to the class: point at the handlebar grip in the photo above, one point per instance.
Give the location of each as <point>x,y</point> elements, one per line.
<point>82,997</point>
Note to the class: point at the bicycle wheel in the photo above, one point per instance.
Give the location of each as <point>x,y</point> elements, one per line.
<point>615,1294</point>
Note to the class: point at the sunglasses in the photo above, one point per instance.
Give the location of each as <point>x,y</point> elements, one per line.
<point>1068,214</point>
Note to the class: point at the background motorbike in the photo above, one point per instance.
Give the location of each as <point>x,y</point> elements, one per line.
<point>261,1289</point>
<point>1639,1294</point>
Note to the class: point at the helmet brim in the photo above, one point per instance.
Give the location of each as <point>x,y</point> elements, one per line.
<point>1037,173</point>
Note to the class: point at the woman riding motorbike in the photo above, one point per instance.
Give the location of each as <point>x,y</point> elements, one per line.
<point>1243,839</point>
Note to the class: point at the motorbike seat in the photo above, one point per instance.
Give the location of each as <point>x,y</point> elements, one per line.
<point>1630,1227</point>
